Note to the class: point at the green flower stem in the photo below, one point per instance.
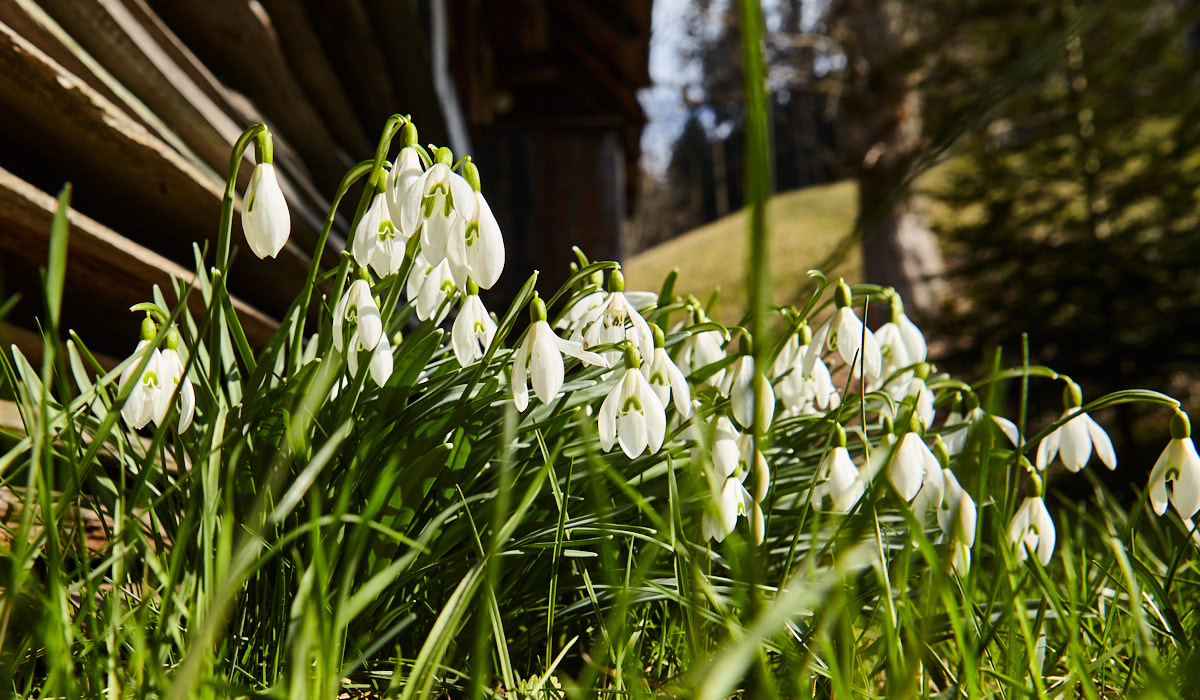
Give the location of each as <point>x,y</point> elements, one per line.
<point>259,133</point>
<point>305,298</point>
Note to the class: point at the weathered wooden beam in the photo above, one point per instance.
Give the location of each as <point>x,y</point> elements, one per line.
<point>124,175</point>
<point>237,41</point>
<point>106,272</point>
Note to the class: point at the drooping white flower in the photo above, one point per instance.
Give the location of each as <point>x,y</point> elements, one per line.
<point>976,419</point>
<point>1032,530</point>
<point>431,287</point>
<point>170,376</point>
<point>357,307</point>
<point>377,242</point>
<point>901,343</point>
<point>911,463</point>
<point>265,218</point>
<point>666,379</point>
<point>739,386</point>
<point>473,331</point>
<point>799,392</point>
<point>633,416</point>
<point>840,479</point>
<point>723,445</point>
<point>1073,442</point>
<point>139,406</point>
<point>475,250</point>
<point>919,395</point>
<point>732,499</point>
<point>933,488</point>
<point>701,350</point>
<point>957,517</point>
<point>446,202</point>
<point>614,320</point>
<point>381,364</point>
<point>405,175</point>
<point>1179,465</point>
<point>846,334</point>
<point>539,360</point>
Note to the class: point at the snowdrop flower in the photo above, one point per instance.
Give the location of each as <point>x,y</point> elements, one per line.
<point>614,320</point>
<point>739,385</point>
<point>1073,441</point>
<point>357,306</point>
<point>912,462</point>
<point>1032,530</point>
<point>632,413</point>
<point>841,480</point>
<point>800,392</point>
<point>719,444</point>
<point>976,419</point>
<point>901,343</point>
<point>139,406</point>
<point>473,330</point>
<point>700,350</point>
<point>957,516</point>
<point>171,376</point>
<point>539,360</point>
<point>665,378</point>
<point>430,287</point>
<point>846,334</point>
<point>1179,465</point>
<point>733,500</point>
<point>919,395</point>
<point>445,201</point>
<point>404,177</point>
<point>376,242</point>
<point>265,217</point>
<point>933,485</point>
<point>476,249</point>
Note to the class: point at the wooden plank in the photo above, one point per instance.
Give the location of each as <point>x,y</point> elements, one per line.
<point>106,273</point>
<point>124,175</point>
<point>317,76</point>
<point>236,40</point>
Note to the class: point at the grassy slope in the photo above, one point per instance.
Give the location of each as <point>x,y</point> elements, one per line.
<point>805,226</point>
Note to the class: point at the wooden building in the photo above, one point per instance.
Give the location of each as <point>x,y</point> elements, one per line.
<point>137,103</point>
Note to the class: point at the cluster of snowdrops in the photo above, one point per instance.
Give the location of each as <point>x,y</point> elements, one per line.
<point>691,388</point>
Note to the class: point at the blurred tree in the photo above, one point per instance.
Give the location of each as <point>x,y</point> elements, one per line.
<point>1074,207</point>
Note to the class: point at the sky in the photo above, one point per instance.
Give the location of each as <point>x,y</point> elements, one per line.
<point>670,73</point>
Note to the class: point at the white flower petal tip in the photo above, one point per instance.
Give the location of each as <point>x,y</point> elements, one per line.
<point>265,218</point>
<point>1074,441</point>
<point>1032,531</point>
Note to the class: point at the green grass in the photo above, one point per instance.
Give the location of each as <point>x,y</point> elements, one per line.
<point>314,534</point>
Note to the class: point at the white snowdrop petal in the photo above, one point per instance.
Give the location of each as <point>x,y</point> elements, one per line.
<point>520,376</point>
<point>1100,442</point>
<point>1075,448</point>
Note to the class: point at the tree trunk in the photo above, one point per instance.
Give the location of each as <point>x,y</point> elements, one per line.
<point>881,139</point>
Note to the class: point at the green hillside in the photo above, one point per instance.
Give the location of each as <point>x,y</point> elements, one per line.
<point>805,227</point>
